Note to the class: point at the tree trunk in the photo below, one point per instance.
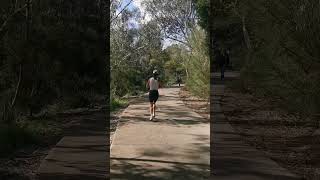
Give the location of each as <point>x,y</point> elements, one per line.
<point>245,34</point>
<point>13,102</point>
<point>187,73</point>
<point>28,15</point>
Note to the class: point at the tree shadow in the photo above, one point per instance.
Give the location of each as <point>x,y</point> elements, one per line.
<point>236,167</point>
<point>76,162</point>
<point>176,114</point>
<point>82,153</point>
<point>136,169</point>
<point>232,158</point>
<point>165,162</point>
<point>169,118</point>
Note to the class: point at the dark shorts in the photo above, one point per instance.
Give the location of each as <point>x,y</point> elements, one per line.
<point>153,95</point>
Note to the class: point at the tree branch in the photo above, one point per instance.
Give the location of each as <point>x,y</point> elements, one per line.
<point>13,102</point>
<point>172,38</point>
<point>5,23</point>
<point>121,11</point>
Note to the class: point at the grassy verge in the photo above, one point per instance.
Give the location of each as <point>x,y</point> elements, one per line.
<point>117,103</point>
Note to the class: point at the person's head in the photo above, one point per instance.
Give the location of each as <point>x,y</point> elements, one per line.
<point>155,73</point>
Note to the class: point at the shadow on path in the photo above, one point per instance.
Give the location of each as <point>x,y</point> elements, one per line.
<point>161,170</point>
<point>81,154</point>
<point>174,146</point>
<point>231,158</point>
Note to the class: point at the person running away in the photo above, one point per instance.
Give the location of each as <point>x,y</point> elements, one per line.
<point>153,86</point>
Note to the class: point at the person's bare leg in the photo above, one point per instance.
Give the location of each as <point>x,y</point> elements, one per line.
<point>154,110</point>
<point>151,110</point>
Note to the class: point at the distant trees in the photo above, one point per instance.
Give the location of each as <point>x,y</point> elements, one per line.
<point>175,66</point>
<point>178,21</point>
<point>135,52</point>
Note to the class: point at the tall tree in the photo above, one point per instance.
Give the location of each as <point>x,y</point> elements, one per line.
<point>176,18</point>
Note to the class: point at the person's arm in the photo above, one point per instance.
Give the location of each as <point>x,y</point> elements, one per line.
<point>159,86</point>
<point>148,85</point>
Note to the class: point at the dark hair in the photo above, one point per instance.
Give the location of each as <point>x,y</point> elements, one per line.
<point>155,75</point>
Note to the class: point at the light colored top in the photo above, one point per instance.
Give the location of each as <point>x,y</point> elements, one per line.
<point>153,84</point>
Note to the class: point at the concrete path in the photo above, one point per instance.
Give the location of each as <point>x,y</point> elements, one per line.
<point>175,146</point>
<point>81,154</point>
<point>231,157</point>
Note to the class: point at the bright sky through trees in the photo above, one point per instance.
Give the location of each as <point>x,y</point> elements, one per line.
<point>133,5</point>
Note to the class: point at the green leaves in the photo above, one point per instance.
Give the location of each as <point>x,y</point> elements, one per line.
<point>284,56</point>
<point>202,7</point>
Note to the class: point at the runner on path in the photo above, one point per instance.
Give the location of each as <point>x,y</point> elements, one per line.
<point>179,80</point>
<point>221,60</point>
<point>153,85</point>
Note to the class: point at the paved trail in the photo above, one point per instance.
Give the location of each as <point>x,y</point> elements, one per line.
<point>81,154</point>
<point>231,157</point>
<point>176,146</point>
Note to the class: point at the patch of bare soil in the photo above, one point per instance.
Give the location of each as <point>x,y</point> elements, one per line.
<point>200,106</point>
<point>288,139</point>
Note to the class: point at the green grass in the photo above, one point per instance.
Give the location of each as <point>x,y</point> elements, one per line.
<point>117,103</point>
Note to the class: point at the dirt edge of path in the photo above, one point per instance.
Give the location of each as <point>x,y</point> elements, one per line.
<point>198,105</point>
<point>286,138</point>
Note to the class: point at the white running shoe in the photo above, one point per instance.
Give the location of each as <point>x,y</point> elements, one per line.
<point>151,117</point>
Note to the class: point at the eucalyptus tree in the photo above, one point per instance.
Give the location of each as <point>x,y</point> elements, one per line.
<point>280,55</point>
<point>135,50</point>
<point>179,21</point>
<point>120,42</point>
<point>176,18</point>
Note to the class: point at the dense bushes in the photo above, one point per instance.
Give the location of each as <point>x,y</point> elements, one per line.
<point>51,54</point>
<point>198,65</point>
<point>284,60</point>
<point>61,53</point>
<point>276,46</point>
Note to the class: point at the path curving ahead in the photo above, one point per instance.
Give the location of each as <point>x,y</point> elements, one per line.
<point>175,146</point>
